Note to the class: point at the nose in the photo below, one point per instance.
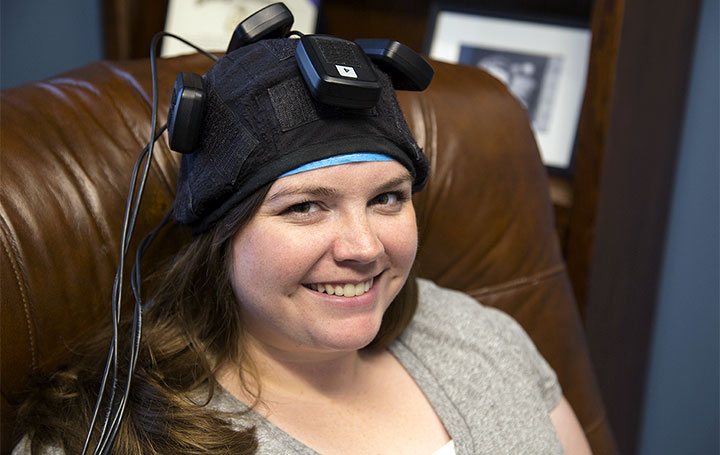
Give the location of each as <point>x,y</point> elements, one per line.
<point>357,240</point>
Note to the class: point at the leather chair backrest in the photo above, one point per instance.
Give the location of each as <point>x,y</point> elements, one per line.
<point>68,146</point>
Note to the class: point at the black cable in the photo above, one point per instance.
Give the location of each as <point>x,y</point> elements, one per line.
<point>207,54</point>
<point>112,352</point>
<point>107,435</point>
<point>136,282</point>
<point>114,414</point>
<point>128,227</point>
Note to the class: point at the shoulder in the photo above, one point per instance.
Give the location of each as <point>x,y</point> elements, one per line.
<point>445,314</point>
<point>481,372</point>
<point>25,447</point>
<point>456,336</point>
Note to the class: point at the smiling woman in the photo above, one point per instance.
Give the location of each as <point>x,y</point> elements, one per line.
<point>291,322</point>
<point>317,266</point>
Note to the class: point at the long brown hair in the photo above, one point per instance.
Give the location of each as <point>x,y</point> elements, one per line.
<point>192,325</point>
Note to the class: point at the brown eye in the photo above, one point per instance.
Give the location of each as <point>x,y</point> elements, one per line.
<point>303,208</point>
<point>389,198</point>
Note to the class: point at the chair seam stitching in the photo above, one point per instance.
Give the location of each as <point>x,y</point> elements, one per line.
<point>520,282</point>
<point>595,424</point>
<point>134,85</point>
<point>10,247</point>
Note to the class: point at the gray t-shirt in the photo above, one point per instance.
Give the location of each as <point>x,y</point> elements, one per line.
<point>483,376</point>
<point>477,367</point>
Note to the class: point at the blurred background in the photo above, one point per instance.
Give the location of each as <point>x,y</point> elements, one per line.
<point>637,211</point>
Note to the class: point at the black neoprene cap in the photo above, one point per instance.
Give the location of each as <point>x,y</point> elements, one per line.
<point>261,121</point>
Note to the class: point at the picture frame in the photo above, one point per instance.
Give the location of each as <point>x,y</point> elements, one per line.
<point>210,24</point>
<point>542,61</point>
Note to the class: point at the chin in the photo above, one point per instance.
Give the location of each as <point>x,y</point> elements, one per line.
<point>350,338</point>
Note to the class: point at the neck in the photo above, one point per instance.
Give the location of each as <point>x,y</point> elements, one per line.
<point>306,376</point>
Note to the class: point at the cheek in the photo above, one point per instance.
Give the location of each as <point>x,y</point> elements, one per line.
<point>401,240</point>
<point>239,271</point>
<point>264,257</point>
<point>252,273</point>
<point>251,263</point>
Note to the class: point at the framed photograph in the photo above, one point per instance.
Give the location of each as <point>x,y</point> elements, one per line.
<point>211,23</point>
<point>542,62</point>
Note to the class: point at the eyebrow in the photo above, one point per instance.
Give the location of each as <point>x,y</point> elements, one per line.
<point>322,191</point>
<point>394,183</point>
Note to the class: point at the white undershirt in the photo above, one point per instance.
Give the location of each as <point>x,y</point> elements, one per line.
<point>447,449</point>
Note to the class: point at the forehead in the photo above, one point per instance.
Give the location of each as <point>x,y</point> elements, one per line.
<point>347,177</point>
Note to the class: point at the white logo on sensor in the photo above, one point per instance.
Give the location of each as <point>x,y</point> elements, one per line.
<point>346,71</point>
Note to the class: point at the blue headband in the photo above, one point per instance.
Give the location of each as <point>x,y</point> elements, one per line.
<point>337,160</point>
<point>261,121</point>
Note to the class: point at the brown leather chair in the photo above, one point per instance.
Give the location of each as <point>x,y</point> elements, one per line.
<point>68,145</point>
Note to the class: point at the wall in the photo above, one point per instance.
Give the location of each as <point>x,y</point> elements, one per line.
<point>681,397</point>
<point>40,38</point>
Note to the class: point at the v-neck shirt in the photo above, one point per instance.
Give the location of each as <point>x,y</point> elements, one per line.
<point>477,367</point>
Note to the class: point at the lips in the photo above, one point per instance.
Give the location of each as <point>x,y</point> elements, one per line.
<point>342,289</point>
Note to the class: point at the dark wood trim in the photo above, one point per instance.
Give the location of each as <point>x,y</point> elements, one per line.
<point>115,30</point>
<point>129,25</point>
<point>607,19</point>
<point>639,151</point>
<point>402,20</point>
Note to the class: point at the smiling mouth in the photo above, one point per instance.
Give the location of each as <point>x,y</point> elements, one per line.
<point>344,290</point>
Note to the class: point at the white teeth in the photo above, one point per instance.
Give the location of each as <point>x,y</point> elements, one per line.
<point>346,290</point>
<point>359,289</point>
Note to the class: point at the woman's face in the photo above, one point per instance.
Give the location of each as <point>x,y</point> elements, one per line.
<point>324,257</point>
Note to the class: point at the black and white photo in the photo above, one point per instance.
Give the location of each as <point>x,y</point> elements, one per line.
<point>543,64</point>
